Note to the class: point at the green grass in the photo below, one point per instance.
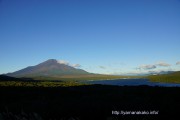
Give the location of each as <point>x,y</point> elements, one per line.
<point>40,84</point>
<point>167,78</point>
<point>60,81</point>
<point>80,77</point>
<point>63,81</point>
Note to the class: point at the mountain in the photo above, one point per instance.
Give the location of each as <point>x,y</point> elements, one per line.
<point>7,78</point>
<point>49,68</point>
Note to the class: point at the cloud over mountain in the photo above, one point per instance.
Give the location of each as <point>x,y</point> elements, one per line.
<point>76,65</point>
<point>69,64</point>
<point>63,62</point>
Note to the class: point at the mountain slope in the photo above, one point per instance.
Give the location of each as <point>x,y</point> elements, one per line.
<point>7,78</point>
<point>49,68</point>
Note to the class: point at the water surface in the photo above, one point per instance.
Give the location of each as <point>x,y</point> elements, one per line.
<point>132,82</point>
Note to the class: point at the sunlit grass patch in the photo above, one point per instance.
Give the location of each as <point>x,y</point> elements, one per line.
<point>168,78</point>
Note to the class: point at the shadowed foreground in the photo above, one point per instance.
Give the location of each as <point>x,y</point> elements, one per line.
<point>88,102</point>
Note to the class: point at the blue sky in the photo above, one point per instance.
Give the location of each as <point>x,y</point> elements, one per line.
<point>103,36</point>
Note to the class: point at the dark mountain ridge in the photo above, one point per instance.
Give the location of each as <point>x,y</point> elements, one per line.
<point>49,68</point>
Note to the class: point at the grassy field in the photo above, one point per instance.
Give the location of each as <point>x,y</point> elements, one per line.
<point>63,81</point>
<point>40,83</point>
<point>81,77</point>
<point>168,78</point>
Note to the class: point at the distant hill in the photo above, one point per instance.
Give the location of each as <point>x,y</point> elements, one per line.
<point>49,68</point>
<point>7,78</point>
<point>169,78</point>
<point>160,72</point>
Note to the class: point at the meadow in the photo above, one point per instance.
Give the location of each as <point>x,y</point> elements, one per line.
<point>168,78</point>
<point>40,83</point>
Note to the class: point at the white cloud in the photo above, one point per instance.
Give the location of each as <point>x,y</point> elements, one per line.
<point>153,66</point>
<point>178,63</point>
<point>147,67</point>
<point>102,67</point>
<point>63,62</point>
<point>163,64</point>
<point>69,64</point>
<point>76,65</point>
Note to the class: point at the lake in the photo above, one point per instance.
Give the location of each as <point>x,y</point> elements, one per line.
<point>132,82</point>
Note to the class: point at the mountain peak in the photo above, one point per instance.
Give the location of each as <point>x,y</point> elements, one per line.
<point>50,68</point>
<point>48,62</point>
<point>52,61</point>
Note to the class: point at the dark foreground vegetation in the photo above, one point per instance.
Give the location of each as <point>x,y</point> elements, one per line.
<point>88,102</point>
